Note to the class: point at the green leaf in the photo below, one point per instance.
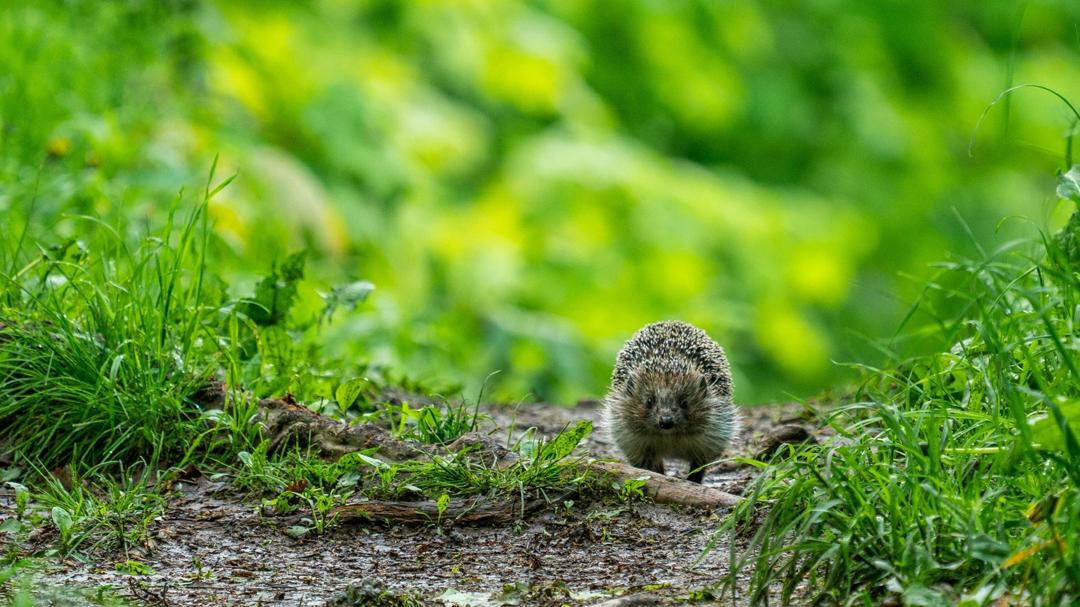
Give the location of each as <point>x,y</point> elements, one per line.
<point>18,488</point>
<point>22,497</point>
<point>564,444</point>
<point>62,519</point>
<point>373,462</point>
<point>10,526</point>
<point>276,293</point>
<point>349,479</point>
<point>132,567</point>
<point>985,548</point>
<point>1049,433</point>
<point>293,268</point>
<point>298,531</point>
<point>922,596</point>
<point>346,296</point>
<point>1069,184</point>
<point>348,392</point>
<point>115,368</point>
<point>1067,238</point>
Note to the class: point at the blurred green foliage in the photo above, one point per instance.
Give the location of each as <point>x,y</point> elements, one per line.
<point>527,183</point>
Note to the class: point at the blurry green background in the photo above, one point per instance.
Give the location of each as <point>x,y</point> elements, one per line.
<point>527,183</point>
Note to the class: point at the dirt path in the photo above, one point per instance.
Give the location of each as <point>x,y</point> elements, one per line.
<point>211,548</point>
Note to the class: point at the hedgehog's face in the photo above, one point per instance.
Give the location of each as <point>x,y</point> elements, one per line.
<point>668,402</point>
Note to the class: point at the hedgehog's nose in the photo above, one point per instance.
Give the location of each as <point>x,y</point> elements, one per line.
<point>667,423</point>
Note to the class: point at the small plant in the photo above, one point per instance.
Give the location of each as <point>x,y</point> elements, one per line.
<point>65,525</point>
<point>373,593</point>
<point>631,489</point>
<point>132,567</point>
<point>113,510</point>
<point>440,506</point>
<point>319,504</point>
<point>200,573</point>
<point>346,296</point>
<point>351,392</point>
<point>257,471</point>
<point>436,424</point>
<point>297,481</point>
<point>22,498</point>
<point>276,293</point>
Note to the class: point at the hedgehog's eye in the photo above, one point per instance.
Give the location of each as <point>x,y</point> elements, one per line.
<point>650,401</point>
<point>684,403</point>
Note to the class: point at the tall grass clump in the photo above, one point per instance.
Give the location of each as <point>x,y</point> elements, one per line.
<point>955,478</point>
<point>103,343</point>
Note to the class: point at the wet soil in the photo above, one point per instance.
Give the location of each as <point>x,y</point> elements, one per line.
<point>213,547</point>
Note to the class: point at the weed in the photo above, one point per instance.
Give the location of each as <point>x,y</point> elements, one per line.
<point>631,489</point>
<point>298,481</point>
<point>351,392</point>
<point>434,424</point>
<point>22,498</point>
<point>440,505</point>
<point>115,511</point>
<point>543,464</point>
<point>200,573</point>
<point>131,567</point>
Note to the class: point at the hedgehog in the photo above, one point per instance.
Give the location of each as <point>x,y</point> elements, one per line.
<point>670,397</point>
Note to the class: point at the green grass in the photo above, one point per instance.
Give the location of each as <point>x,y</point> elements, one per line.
<point>104,344</point>
<point>542,465</point>
<point>112,512</point>
<point>955,477</point>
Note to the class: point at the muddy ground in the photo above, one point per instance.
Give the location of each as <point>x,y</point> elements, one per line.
<point>212,547</point>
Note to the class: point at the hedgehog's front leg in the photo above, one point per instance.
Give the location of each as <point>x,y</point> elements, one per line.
<point>697,471</point>
<point>647,459</point>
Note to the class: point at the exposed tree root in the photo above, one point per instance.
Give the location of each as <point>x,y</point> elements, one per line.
<point>667,489</point>
<point>786,434</point>
<point>286,422</point>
